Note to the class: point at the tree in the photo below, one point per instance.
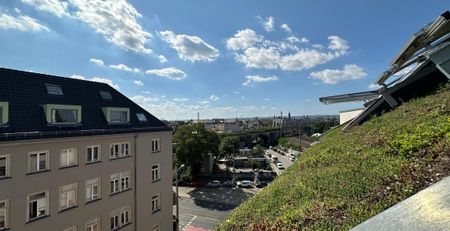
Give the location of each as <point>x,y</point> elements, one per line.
<point>255,164</point>
<point>230,144</point>
<point>258,151</point>
<point>194,142</point>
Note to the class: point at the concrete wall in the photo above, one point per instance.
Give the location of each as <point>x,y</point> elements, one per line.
<point>21,184</point>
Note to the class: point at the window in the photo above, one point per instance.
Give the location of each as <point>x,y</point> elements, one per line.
<point>38,161</point>
<point>156,145</point>
<point>156,228</point>
<point>120,182</point>
<point>119,150</point>
<point>116,115</point>
<point>93,154</point>
<point>120,217</point>
<point>93,190</point>
<point>4,112</point>
<point>73,228</point>
<point>155,172</point>
<point>93,225</point>
<point>155,203</point>
<point>67,196</point>
<point>4,213</point>
<point>62,114</point>
<point>68,157</point>
<point>37,205</point>
<point>54,89</point>
<point>141,117</point>
<point>4,166</point>
<point>105,95</point>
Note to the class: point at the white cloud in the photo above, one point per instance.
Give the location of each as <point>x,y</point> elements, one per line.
<point>243,39</point>
<point>329,76</point>
<point>318,46</point>
<point>307,100</point>
<point>124,67</point>
<point>236,92</point>
<point>338,44</point>
<point>267,23</point>
<point>97,61</point>
<point>170,73</point>
<point>254,52</point>
<point>162,59</point>
<point>116,20</point>
<point>17,10</point>
<point>138,83</point>
<point>97,79</point>
<point>203,102</point>
<point>286,28</point>
<point>56,7</point>
<point>258,79</point>
<point>21,23</point>
<point>180,99</point>
<point>214,97</point>
<point>294,39</point>
<point>266,99</point>
<point>191,48</point>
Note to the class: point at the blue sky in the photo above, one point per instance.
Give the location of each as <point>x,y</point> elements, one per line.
<point>222,59</point>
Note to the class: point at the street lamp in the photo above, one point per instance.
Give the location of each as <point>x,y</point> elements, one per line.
<point>179,171</point>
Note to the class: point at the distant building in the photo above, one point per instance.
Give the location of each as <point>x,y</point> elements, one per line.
<point>79,155</point>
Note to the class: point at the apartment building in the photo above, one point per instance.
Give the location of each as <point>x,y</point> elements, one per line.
<point>78,155</point>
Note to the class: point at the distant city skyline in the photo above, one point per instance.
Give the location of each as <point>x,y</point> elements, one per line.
<point>221,59</point>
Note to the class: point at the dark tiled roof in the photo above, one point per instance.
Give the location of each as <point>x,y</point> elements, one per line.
<point>26,93</point>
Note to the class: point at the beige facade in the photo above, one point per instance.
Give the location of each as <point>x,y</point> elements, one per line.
<point>62,184</point>
<point>348,115</point>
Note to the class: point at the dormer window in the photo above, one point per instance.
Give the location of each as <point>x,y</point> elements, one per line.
<point>105,95</point>
<point>116,115</point>
<point>141,117</point>
<point>54,89</point>
<point>4,112</point>
<point>62,114</point>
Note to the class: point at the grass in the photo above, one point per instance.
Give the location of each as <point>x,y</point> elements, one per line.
<point>351,176</point>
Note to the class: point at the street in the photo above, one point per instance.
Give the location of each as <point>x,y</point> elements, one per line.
<point>203,208</point>
<point>281,159</point>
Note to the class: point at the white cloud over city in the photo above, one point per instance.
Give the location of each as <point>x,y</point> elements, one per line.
<point>21,23</point>
<point>169,72</point>
<point>333,76</point>
<point>258,79</point>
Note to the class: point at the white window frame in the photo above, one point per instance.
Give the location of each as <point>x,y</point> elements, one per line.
<point>156,145</point>
<point>120,218</point>
<point>114,222</point>
<point>67,191</point>
<point>90,185</point>
<point>120,182</point>
<point>7,158</point>
<point>125,217</point>
<point>122,150</point>
<point>66,153</point>
<point>92,223</point>
<point>156,175</point>
<point>73,228</point>
<point>46,211</point>
<point>156,227</point>
<point>156,203</point>
<point>4,209</point>
<point>47,161</point>
<point>92,148</point>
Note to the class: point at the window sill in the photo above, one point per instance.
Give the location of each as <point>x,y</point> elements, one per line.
<point>40,171</point>
<point>156,151</point>
<point>70,166</point>
<point>123,226</point>
<point>115,193</point>
<point>154,181</point>
<point>92,201</point>
<point>36,219</point>
<point>66,209</point>
<point>93,162</point>
<point>4,178</point>
<point>120,157</point>
<point>153,212</point>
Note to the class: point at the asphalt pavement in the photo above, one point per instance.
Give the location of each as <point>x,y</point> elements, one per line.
<point>281,159</point>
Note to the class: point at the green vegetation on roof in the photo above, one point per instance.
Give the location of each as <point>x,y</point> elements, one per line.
<point>351,176</point>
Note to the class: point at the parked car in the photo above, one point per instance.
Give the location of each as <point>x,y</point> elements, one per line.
<point>214,183</point>
<point>293,158</point>
<point>280,166</point>
<point>261,184</point>
<point>195,184</point>
<point>229,183</point>
<point>244,184</point>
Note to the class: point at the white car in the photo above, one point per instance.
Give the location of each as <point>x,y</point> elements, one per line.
<point>214,183</point>
<point>293,158</point>
<point>280,166</point>
<point>244,184</point>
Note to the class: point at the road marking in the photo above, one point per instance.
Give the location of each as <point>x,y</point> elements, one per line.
<point>189,223</point>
